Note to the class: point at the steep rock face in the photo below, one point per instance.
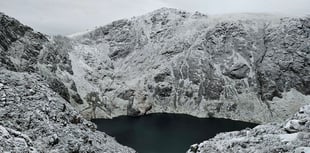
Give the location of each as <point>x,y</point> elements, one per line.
<point>24,50</point>
<point>246,67</point>
<point>19,45</point>
<point>249,67</point>
<point>55,66</point>
<point>293,135</point>
<point>34,119</point>
<point>285,62</point>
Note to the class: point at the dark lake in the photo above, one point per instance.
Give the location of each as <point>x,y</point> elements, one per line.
<point>165,133</point>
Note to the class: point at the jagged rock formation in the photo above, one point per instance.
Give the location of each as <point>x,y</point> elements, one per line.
<point>24,50</point>
<point>250,67</point>
<point>292,136</point>
<point>33,118</point>
<point>19,45</point>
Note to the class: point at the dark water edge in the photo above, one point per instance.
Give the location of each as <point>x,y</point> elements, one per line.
<point>166,133</point>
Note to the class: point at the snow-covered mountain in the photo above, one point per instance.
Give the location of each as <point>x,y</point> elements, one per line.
<point>249,67</point>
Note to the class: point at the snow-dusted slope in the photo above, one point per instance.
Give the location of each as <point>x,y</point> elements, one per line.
<point>33,118</point>
<point>292,136</point>
<point>251,67</point>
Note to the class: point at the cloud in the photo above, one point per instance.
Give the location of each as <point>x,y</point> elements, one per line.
<point>70,16</point>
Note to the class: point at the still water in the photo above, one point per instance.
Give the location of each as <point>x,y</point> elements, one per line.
<point>165,133</point>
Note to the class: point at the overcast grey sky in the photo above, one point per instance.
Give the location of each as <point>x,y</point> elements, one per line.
<point>70,16</point>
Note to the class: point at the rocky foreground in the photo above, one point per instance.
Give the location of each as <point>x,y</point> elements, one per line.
<point>34,119</point>
<point>291,136</point>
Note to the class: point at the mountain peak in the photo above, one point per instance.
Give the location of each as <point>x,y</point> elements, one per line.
<point>166,11</point>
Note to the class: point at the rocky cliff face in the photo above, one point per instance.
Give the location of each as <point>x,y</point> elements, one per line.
<point>293,136</point>
<point>33,118</point>
<point>19,45</point>
<point>249,67</point>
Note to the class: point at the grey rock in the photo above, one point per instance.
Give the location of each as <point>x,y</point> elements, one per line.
<point>60,88</point>
<point>14,141</point>
<point>19,46</point>
<point>127,94</point>
<point>191,63</point>
<point>251,65</point>
<point>290,136</point>
<point>238,71</point>
<point>42,121</point>
<point>163,90</point>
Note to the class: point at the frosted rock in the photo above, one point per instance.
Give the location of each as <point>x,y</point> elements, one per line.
<point>248,67</point>
<point>290,136</point>
<point>45,121</point>
<point>238,67</point>
<point>302,150</point>
<point>292,126</point>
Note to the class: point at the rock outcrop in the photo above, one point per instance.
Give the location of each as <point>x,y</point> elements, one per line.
<point>34,119</point>
<point>19,45</point>
<point>293,136</point>
<point>35,115</point>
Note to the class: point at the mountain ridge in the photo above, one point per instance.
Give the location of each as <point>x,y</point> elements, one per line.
<point>157,28</point>
<point>250,69</point>
<point>174,61</point>
<point>241,15</point>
